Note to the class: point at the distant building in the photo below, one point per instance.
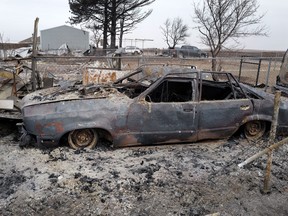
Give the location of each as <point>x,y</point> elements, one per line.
<point>53,38</point>
<point>20,49</point>
<point>29,41</point>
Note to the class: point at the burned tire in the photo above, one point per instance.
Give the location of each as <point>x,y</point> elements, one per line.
<point>254,130</point>
<point>83,138</point>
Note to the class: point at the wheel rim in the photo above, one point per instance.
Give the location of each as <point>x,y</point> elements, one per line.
<point>254,130</point>
<point>83,138</point>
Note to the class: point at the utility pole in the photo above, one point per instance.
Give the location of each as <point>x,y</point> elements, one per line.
<point>34,54</point>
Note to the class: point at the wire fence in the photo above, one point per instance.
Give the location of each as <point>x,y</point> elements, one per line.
<point>250,70</point>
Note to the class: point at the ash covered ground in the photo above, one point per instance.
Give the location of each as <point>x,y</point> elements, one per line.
<point>191,179</point>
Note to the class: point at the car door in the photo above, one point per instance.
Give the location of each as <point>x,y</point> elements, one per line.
<point>220,119</point>
<point>222,108</point>
<point>165,114</point>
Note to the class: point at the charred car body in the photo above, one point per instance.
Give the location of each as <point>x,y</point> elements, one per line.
<point>152,105</point>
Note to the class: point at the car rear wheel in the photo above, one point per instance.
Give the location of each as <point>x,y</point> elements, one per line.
<point>254,130</point>
<point>83,138</point>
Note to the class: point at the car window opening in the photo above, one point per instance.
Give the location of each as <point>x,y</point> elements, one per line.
<point>220,91</point>
<point>215,91</point>
<point>171,91</point>
<point>132,90</point>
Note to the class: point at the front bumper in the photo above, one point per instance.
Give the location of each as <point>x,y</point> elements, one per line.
<point>27,139</point>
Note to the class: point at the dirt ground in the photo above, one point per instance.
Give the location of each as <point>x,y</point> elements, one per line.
<point>191,179</point>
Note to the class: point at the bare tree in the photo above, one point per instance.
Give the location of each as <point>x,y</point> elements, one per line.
<point>174,31</point>
<point>128,19</point>
<point>220,21</point>
<point>89,11</point>
<point>97,33</point>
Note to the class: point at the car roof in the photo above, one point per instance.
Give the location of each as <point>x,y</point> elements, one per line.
<point>153,72</point>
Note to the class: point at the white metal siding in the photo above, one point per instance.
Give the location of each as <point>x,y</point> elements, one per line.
<point>53,38</point>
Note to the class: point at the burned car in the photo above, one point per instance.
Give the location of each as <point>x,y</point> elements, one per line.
<point>152,105</point>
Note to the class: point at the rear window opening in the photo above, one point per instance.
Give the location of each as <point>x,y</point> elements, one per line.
<point>215,91</point>
<point>219,87</point>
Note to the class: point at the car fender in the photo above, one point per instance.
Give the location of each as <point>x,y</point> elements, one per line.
<point>256,117</point>
<point>102,123</point>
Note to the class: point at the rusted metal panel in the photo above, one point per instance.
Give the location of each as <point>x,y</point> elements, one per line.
<point>51,127</point>
<point>96,75</point>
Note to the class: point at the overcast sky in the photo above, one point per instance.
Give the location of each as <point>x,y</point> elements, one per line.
<point>17,21</point>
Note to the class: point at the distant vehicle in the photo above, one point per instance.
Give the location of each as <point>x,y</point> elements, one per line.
<point>151,105</point>
<point>186,51</point>
<point>132,50</point>
<point>129,50</point>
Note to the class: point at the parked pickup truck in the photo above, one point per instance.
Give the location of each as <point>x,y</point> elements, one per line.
<point>185,51</point>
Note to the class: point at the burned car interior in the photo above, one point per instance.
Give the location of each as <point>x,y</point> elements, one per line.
<point>137,82</point>
<point>171,91</point>
<point>176,89</point>
<point>219,86</point>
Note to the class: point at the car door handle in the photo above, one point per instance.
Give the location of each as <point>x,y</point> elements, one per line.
<point>244,107</point>
<point>188,110</point>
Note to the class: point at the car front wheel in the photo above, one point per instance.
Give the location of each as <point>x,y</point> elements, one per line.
<point>83,138</point>
<point>254,130</point>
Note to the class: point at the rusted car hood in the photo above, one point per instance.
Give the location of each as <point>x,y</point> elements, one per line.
<point>56,94</point>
